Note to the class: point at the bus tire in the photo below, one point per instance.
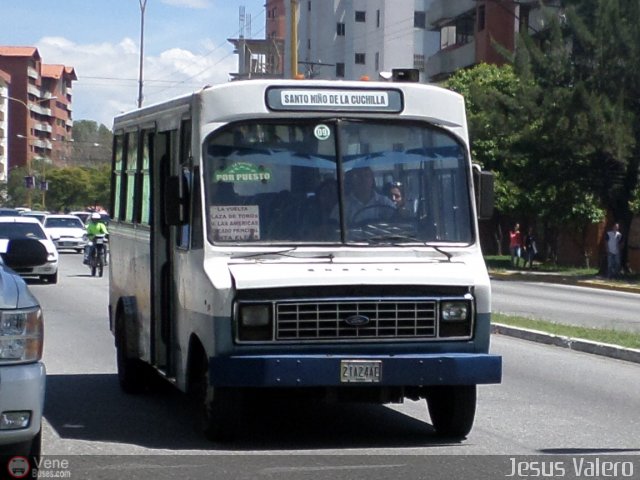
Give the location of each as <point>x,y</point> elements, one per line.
<point>133,375</point>
<point>452,409</point>
<point>218,410</point>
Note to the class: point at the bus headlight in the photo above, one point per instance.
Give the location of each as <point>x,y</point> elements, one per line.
<point>455,318</point>
<point>254,322</point>
<point>21,335</point>
<point>455,311</point>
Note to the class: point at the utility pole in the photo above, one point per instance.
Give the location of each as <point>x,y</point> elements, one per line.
<point>143,5</point>
<point>294,38</point>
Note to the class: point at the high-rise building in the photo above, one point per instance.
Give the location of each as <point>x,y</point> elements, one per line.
<point>361,38</point>
<point>36,104</point>
<point>338,39</point>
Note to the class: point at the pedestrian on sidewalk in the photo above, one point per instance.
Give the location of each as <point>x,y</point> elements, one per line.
<point>530,248</point>
<point>515,245</point>
<point>614,241</point>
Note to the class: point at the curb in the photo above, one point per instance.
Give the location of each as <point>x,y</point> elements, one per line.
<point>585,346</point>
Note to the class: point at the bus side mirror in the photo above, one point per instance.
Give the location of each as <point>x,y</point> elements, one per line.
<point>484,188</point>
<point>175,200</point>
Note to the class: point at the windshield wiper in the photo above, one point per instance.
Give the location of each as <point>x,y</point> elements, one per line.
<point>392,239</point>
<point>284,253</point>
<point>261,254</point>
<point>395,239</point>
<point>439,250</point>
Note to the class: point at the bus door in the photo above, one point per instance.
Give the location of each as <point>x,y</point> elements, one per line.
<point>162,291</point>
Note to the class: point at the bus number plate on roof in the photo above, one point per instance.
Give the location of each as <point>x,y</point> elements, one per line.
<point>360,371</point>
<point>334,100</point>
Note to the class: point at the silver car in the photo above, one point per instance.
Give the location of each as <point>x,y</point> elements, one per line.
<point>22,373</point>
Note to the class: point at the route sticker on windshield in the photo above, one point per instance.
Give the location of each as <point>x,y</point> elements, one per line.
<point>322,132</point>
<point>243,172</point>
<point>235,222</point>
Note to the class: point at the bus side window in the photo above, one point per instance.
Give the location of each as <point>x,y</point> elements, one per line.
<point>197,231</point>
<point>184,233</point>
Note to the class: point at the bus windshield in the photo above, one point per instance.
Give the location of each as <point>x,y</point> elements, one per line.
<point>336,181</point>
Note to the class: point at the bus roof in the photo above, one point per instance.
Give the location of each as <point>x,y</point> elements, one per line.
<point>323,98</point>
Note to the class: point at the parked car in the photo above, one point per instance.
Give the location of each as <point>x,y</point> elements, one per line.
<point>67,231</point>
<point>22,372</point>
<point>84,216</point>
<point>12,228</point>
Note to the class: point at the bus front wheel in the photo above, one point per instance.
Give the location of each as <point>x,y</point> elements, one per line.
<point>219,410</point>
<point>452,409</point>
<point>133,375</point>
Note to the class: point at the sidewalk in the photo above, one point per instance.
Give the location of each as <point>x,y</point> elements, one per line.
<point>612,351</point>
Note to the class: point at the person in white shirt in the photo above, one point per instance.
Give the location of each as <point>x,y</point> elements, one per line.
<point>614,240</point>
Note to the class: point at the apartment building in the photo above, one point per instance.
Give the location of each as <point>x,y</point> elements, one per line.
<point>474,31</point>
<point>36,107</point>
<point>349,40</point>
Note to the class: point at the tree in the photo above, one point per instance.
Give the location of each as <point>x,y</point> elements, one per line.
<point>491,97</point>
<point>91,144</point>
<point>585,138</point>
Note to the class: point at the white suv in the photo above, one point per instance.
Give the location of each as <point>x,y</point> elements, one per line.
<point>22,373</point>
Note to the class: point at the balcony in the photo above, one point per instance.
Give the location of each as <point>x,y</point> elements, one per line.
<point>442,12</point>
<point>42,127</point>
<point>33,90</point>
<point>40,109</point>
<point>451,59</point>
<point>44,144</point>
<point>32,73</point>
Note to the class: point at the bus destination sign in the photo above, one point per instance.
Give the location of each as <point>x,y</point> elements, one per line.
<point>331,99</point>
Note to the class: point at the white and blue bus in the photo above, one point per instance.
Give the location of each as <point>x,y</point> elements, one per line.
<point>309,238</point>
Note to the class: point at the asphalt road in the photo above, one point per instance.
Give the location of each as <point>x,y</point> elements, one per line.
<point>581,306</point>
<point>551,401</point>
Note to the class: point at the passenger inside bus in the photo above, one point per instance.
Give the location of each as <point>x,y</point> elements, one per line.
<point>395,192</point>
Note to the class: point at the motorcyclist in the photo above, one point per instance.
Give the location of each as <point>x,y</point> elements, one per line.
<point>95,227</point>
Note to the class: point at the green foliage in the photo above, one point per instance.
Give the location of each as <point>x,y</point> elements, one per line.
<point>491,97</point>
<point>79,187</point>
<point>72,188</point>
<point>91,143</point>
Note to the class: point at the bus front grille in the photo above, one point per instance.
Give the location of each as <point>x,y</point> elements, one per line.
<point>355,320</point>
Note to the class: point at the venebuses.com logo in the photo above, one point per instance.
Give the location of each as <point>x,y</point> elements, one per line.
<point>20,467</point>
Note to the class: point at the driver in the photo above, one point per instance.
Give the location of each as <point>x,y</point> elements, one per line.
<point>362,202</point>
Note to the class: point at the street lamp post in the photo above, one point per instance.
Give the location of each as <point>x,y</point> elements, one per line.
<point>26,106</point>
<point>143,5</point>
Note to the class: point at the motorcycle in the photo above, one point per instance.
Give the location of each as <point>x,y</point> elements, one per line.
<point>98,255</point>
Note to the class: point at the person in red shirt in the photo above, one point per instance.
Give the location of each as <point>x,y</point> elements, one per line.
<point>515,245</point>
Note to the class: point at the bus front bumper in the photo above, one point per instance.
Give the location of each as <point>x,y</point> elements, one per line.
<point>329,370</point>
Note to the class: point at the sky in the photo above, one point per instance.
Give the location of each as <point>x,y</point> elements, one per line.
<point>185,46</point>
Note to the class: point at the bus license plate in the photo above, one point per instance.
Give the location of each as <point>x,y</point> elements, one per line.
<point>360,371</point>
